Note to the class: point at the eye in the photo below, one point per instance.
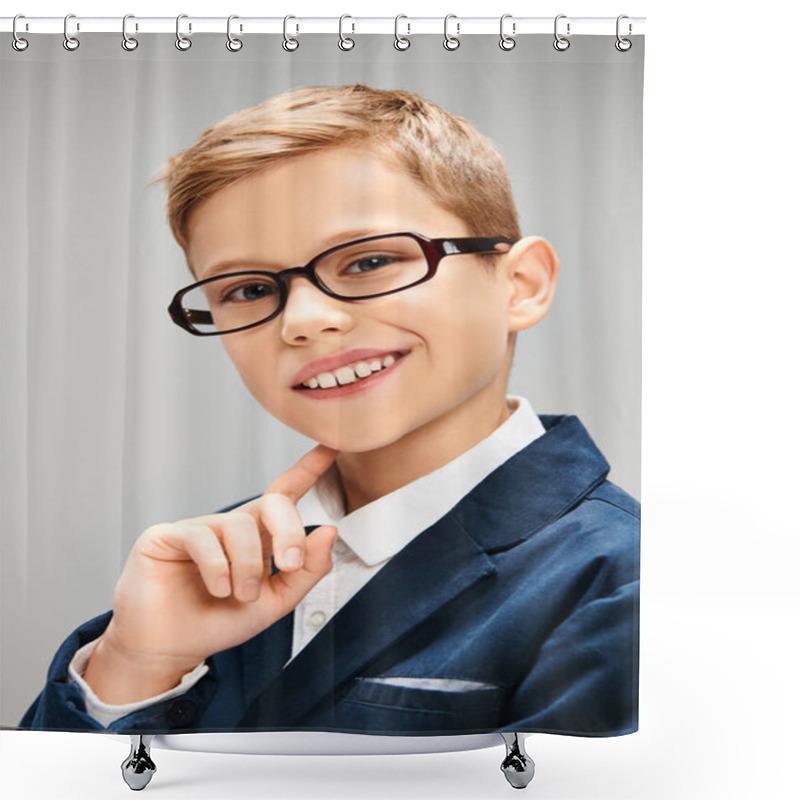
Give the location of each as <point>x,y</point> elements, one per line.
<point>367,264</point>
<point>248,292</point>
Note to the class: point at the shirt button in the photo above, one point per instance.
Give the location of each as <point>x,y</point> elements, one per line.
<point>317,619</point>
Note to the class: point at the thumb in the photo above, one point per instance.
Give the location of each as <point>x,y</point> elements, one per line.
<point>319,546</point>
<point>289,588</point>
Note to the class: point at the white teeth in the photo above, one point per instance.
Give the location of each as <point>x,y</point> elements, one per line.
<point>345,375</point>
<point>363,369</point>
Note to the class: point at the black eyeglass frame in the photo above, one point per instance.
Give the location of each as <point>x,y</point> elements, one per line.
<point>434,249</point>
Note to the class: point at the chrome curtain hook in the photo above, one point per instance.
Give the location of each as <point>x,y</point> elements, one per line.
<point>451,42</point>
<point>345,42</point>
<point>70,42</point>
<point>290,44</point>
<point>400,42</point>
<point>129,43</point>
<point>561,43</point>
<point>233,44</point>
<point>18,43</point>
<point>181,41</point>
<point>623,45</point>
<point>507,42</point>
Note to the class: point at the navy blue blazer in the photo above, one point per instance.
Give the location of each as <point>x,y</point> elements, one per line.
<point>517,610</point>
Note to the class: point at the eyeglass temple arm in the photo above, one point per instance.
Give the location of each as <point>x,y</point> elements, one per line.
<point>472,244</point>
<point>197,317</point>
<point>187,317</point>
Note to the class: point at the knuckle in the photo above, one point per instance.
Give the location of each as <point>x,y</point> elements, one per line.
<point>216,564</point>
<point>248,565</point>
<point>239,518</point>
<point>160,529</point>
<point>273,499</point>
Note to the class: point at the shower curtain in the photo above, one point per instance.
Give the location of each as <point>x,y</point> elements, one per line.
<point>466,545</point>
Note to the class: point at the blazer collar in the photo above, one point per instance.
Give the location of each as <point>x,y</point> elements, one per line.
<point>534,487</point>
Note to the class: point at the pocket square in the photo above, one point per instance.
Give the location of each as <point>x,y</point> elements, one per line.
<point>433,684</point>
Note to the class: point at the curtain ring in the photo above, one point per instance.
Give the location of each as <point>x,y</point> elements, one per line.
<point>345,42</point>
<point>290,44</point>
<point>70,42</point>
<point>18,43</point>
<point>181,41</point>
<point>451,42</point>
<point>233,44</point>
<point>623,45</point>
<point>400,42</point>
<point>507,42</point>
<point>560,43</point>
<point>129,43</point>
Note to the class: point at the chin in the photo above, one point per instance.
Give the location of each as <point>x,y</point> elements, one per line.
<point>355,441</point>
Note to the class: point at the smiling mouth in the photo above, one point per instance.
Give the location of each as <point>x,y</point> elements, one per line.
<point>351,373</point>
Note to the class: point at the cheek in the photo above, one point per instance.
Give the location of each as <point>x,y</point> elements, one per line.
<point>252,360</point>
<point>470,334</point>
<point>240,354</point>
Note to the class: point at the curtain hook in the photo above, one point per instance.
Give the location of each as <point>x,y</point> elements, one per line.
<point>507,42</point>
<point>70,42</point>
<point>561,43</point>
<point>18,43</point>
<point>129,43</point>
<point>623,45</point>
<point>181,41</point>
<point>451,42</point>
<point>290,44</point>
<point>233,44</point>
<point>345,42</point>
<point>400,42</point>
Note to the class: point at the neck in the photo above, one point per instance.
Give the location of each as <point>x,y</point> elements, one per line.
<point>367,476</point>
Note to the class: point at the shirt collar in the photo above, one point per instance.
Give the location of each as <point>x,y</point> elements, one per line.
<point>380,529</point>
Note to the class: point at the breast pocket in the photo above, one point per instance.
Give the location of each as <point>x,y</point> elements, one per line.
<point>409,705</point>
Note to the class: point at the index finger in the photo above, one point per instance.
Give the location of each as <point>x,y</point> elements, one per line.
<point>300,477</point>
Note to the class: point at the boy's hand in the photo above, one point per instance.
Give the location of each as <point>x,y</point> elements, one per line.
<point>198,586</point>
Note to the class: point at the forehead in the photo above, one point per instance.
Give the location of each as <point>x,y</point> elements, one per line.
<point>285,214</point>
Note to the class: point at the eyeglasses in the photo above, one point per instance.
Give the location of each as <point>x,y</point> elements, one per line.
<point>358,270</point>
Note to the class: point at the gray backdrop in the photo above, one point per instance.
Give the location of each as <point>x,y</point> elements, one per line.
<point>113,419</point>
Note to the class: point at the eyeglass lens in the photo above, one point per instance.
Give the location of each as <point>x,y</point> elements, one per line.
<point>369,268</point>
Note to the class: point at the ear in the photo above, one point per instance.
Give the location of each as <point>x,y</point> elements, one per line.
<point>532,272</point>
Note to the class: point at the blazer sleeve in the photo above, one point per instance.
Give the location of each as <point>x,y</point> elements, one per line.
<point>585,678</point>
<point>60,705</point>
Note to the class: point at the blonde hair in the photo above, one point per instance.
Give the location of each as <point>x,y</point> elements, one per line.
<point>457,165</point>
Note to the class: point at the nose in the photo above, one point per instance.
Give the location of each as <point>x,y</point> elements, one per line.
<point>310,313</point>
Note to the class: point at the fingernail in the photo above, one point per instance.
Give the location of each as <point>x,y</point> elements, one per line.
<point>293,558</point>
<point>250,590</point>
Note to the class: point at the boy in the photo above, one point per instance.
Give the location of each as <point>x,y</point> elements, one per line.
<point>485,575</point>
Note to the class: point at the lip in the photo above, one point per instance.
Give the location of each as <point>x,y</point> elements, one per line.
<point>331,363</point>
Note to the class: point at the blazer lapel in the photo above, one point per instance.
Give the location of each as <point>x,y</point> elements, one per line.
<point>432,570</point>
<point>263,657</point>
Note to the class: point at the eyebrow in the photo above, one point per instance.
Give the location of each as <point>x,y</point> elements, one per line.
<point>340,237</point>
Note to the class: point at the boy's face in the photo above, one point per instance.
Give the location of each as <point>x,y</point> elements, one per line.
<point>449,336</point>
